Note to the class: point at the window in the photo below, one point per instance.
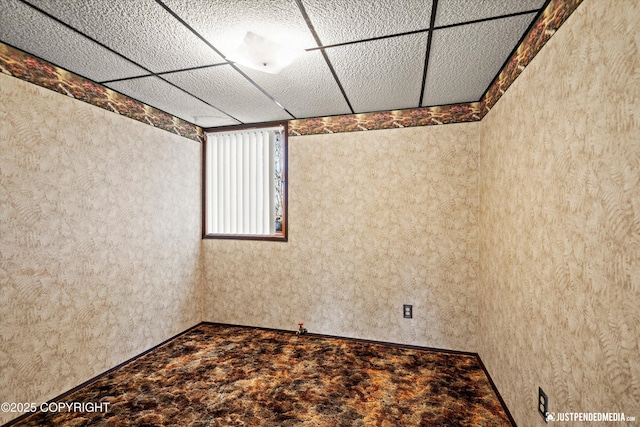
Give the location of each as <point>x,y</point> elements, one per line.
<point>245,182</point>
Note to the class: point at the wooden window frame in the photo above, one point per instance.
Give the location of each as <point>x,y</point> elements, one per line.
<point>281,236</point>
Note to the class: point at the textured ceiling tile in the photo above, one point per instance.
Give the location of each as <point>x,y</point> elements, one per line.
<point>339,21</point>
<point>226,89</point>
<point>224,23</point>
<point>160,94</point>
<point>382,74</point>
<point>455,11</point>
<point>306,88</point>
<point>140,30</point>
<point>23,27</point>
<point>464,60</point>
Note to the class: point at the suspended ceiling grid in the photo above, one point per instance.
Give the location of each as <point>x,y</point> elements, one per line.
<point>360,56</point>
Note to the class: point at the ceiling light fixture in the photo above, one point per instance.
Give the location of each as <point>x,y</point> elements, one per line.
<point>260,54</point>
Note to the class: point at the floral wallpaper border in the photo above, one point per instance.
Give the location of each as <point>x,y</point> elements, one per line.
<point>27,67</point>
<point>426,116</point>
<point>24,66</point>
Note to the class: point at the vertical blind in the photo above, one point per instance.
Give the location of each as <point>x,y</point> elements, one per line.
<point>241,182</point>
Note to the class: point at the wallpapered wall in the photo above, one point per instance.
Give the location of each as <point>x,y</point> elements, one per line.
<point>100,240</point>
<point>377,219</point>
<point>559,276</point>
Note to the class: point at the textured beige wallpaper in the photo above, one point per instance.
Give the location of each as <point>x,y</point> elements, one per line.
<point>377,219</point>
<point>99,240</point>
<point>559,275</point>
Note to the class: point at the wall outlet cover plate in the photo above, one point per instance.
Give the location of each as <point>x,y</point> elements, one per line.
<point>407,311</point>
<point>543,404</point>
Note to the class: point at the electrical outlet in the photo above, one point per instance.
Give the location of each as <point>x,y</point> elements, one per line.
<point>407,311</point>
<point>543,404</point>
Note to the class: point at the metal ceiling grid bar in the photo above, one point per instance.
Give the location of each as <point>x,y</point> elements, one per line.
<point>371,39</point>
<point>432,22</point>
<point>164,72</point>
<point>515,49</point>
<point>491,18</point>
<point>201,67</point>
<point>124,79</point>
<point>303,11</point>
<point>232,64</point>
<point>151,73</point>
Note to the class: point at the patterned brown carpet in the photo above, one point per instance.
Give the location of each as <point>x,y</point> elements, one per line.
<point>216,375</point>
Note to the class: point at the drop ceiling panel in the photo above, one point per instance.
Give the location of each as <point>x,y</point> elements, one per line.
<point>160,94</point>
<point>340,21</point>
<point>464,60</point>
<point>455,11</point>
<point>306,88</point>
<point>23,27</point>
<point>230,92</point>
<point>382,74</point>
<point>141,30</point>
<point>224,23</point>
